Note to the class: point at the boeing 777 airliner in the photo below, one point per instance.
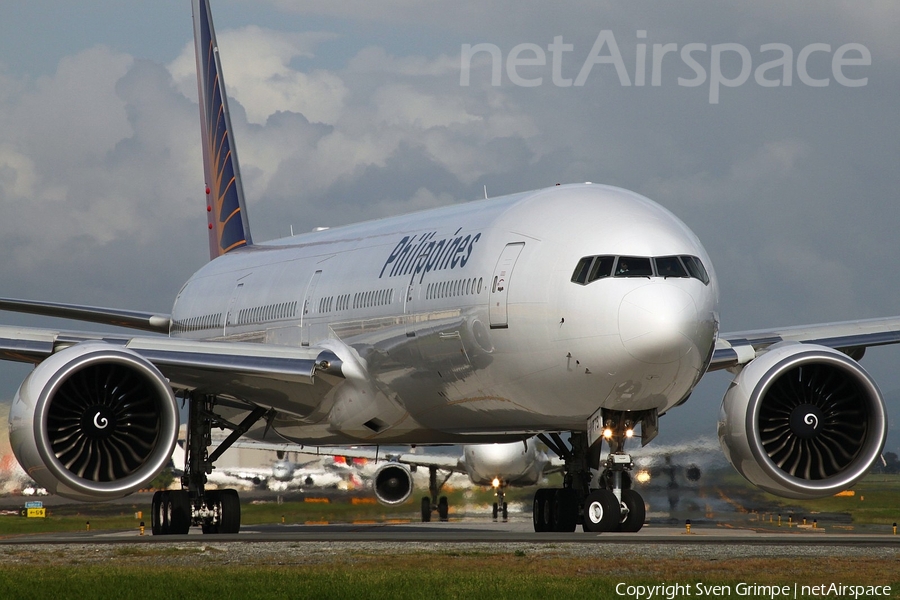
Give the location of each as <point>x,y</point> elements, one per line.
<point>582,309</point>
<point>517,464</point>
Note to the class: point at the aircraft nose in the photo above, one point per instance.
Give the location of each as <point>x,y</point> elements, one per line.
<point>658,323</point>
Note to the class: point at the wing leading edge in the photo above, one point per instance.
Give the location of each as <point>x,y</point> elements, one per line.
<point>131,319</point>
<point>850,337</point>
<point>222,368</point>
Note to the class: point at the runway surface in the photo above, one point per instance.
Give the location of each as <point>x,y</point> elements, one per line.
<point>480,531</point>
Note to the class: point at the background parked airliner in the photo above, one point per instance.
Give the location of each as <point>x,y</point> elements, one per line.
<point>493,465</point>
<point>581,308</point>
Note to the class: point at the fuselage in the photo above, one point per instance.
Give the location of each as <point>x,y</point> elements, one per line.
<point>474,319</point>
<point>516,463</point>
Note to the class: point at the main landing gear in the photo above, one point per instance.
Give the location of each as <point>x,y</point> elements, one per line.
<point>613,505</point>
<point>431,503</point>
<point>214,511</point>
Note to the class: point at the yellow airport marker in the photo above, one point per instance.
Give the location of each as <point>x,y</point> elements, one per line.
<point>687,526</point>
<point>142,528</point>
<point>88,525</point>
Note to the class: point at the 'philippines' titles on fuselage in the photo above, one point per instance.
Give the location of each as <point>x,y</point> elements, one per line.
<point>423,254</point>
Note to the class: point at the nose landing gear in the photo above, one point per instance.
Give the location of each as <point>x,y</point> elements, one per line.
<point>612,505</point>
<point>500,508</point>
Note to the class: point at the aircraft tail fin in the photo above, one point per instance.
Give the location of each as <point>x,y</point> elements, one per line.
<point>226,211</point>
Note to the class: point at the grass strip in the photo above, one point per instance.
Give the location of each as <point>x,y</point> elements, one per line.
<point>428,575</point>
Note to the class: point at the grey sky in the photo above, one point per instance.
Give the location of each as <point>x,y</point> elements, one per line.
<point>355,110</point>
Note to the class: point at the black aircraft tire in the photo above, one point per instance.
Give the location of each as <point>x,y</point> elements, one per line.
<point>565,510</point>
<point>165,513</point>
<point>156,514</point>
<point>426,510</point>
<point>231,511</point>
<point>636,512</point>
<point>180,512</point>
<point>601,512</point>
<point>443,509</point>
<point>537,510</point>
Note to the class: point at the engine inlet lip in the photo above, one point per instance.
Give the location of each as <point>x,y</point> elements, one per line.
<point>102,352</point>
<point>872,445</point>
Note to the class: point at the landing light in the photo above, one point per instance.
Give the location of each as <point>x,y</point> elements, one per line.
<point>495,482</point>
<point>608,433</point>
<point>642,476</point>
<point>629,433</point>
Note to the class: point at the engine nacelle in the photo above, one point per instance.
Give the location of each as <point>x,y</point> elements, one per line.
<point>803,421</point>
<point>93,422</point>
<point>393,484</point>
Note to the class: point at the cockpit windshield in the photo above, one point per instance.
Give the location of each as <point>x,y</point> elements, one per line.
<point>592,268</point>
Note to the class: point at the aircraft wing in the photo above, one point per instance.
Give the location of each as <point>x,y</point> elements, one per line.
<point>851,337</point>
<point>132,319</point>
<point>445,462</point>
<point>229,368</point>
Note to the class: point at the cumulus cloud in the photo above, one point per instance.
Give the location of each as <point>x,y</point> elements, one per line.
<point>259,74</point>
<point>790,188</point>
<point>90,158</point>
<point>106,140</point>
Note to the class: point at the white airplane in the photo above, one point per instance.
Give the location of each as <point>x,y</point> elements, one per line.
<point>582,308</point>
<point>496,465</point>
<point>282,475</point>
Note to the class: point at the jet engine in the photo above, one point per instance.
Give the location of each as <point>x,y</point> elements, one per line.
<point>393,484</point>
<point>802,421</point>
<point>94,421</point>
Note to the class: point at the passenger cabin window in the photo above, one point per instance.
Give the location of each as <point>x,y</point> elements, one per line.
<point>592,268</point>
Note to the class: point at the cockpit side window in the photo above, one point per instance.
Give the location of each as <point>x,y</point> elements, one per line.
<point>633,266</point>
<point>601,268</point>
<point>696,268</point>
<point>670,266</point>
<point>581,270</point>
